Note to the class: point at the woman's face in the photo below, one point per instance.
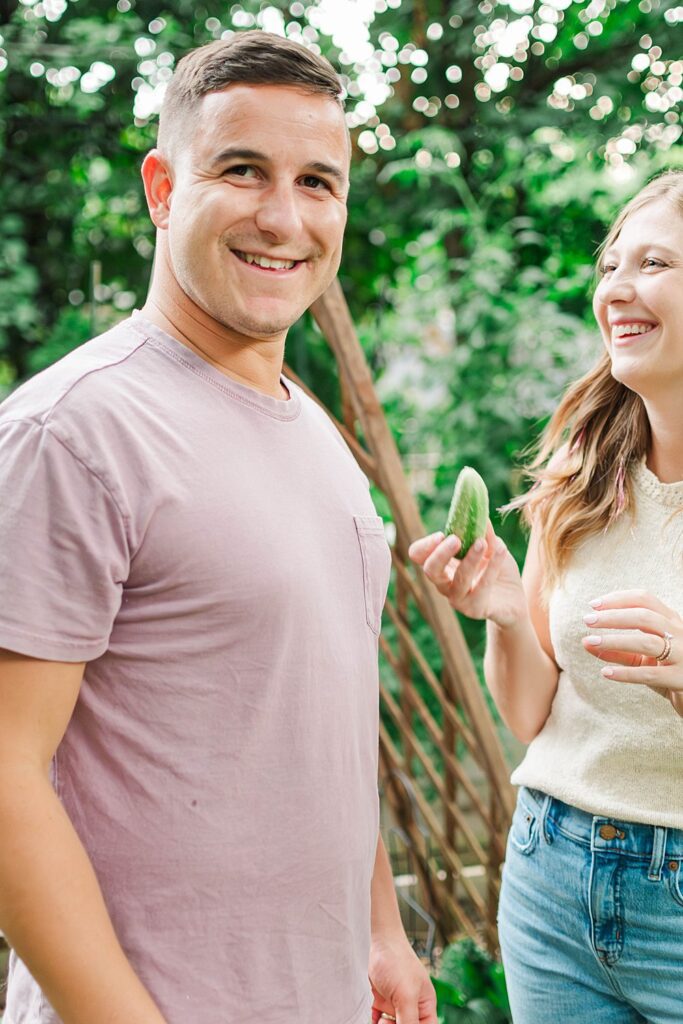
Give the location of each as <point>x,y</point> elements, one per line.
<point>639,301</point>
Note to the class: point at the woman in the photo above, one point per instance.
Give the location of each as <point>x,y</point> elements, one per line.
<point>585,657</point>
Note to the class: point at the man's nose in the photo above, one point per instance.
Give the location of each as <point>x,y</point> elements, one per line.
<point>278,214</point>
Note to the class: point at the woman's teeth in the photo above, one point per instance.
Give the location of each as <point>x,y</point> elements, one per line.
<point>624,330</point>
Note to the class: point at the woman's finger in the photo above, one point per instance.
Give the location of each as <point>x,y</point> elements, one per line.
<point>468,571</point>
<point>488,574</point>
<point>668,677</point>
<point>648,645</point>
<point>438,566</point>
<point>631,599</point>
<point>643,619</point>
<point>422,548</point>
<point>615,656</point>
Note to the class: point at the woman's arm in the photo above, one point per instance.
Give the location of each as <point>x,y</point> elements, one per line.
<point>519,665</point>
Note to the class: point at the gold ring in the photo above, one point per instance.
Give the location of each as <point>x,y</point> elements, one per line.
<point>666,649</point>
<point>386,1016</point>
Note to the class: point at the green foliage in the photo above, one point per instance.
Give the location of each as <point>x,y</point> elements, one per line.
<point>72,328</point>
<point>470,987</point>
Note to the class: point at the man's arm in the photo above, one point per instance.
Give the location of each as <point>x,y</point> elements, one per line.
<point>386,917</point>
<point>400,984</point>
<point>51,907</point>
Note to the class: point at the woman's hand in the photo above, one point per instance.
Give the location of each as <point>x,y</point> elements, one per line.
<point>650,653</point>
<point>485,584</point>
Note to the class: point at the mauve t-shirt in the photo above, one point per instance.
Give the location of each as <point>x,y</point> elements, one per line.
<point>214,555</point>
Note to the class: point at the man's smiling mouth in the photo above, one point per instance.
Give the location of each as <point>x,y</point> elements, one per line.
<point>265,262</point>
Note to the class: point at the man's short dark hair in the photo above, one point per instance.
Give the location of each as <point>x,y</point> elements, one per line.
<point>247,58</point>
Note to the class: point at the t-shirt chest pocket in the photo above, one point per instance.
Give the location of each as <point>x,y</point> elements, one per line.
<point>376,559</point>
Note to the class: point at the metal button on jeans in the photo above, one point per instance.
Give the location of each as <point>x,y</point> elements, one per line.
<point>607,831</point>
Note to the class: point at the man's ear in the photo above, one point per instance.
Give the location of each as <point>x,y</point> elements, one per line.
<point>156,176</point>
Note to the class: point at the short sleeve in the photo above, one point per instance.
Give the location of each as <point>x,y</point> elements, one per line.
<point>63,549</point>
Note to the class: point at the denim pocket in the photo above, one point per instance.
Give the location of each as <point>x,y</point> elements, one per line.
<point>675,881</point>
<point>376,567</point>
<point>524,828</point>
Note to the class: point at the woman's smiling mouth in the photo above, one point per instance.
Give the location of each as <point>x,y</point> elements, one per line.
<point>626,330</point>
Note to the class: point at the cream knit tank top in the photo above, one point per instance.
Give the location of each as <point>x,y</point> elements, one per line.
<point>614,749</point>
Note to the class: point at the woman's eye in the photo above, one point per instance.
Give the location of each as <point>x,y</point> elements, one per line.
<point>607,268</point>
<point>651,263</point>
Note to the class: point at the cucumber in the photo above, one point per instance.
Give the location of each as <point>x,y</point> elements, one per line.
<point>468,515</point>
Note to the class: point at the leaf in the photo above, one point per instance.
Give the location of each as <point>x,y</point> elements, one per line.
<point>447,994</point>
<point>478,1011</point>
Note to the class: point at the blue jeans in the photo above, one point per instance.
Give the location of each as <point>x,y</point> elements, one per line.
<point>591,917</point>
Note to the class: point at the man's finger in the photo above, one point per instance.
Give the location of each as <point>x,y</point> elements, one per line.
<point>407,1014</point>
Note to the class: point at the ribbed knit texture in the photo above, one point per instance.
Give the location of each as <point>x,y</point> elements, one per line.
<point>612,748</point>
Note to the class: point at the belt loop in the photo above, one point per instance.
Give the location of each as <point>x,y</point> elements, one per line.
<point>543,818</point>
<point>658,853</point>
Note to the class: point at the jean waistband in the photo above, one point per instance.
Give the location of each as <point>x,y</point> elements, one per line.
<point>601,832</point>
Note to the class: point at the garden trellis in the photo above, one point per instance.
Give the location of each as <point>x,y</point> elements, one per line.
<point>435,727</point>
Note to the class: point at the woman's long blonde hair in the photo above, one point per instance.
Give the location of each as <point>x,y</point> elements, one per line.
<point>580,472</point>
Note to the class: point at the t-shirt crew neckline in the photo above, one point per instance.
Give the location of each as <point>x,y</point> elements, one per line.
<point>277,408</point>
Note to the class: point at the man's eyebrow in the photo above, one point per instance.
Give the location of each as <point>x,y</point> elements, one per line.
<point>330,170</point>
<point>236,153</point>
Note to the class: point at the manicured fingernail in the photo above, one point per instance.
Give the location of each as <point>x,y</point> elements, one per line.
<point>453,542</point>
<point>608,671</point>
<point>478,546</point>
<point>597,603</point>
<point>594,640</point>
<point>590,618</point>
<point>439,535</point>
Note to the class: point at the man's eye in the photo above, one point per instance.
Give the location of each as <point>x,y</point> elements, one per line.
<point>311,181</point>
<point>241,170</point>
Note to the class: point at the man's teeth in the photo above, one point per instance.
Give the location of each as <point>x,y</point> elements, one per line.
<point>622,330</point>
<point>263,261</point>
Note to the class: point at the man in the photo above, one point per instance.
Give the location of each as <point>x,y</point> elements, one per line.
<point>192,575</point>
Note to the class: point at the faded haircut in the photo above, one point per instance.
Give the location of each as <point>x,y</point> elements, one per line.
<point>247,58</point>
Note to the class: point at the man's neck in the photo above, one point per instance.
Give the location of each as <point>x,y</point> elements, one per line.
<point>256,364</point>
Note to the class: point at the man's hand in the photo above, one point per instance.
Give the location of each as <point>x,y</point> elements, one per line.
<point>400,984</point>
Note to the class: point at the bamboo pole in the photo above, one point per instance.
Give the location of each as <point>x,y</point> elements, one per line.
<point>437,738</point>
<point>444,898</point>
<point>396,714</point>
<point>332,315</point>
